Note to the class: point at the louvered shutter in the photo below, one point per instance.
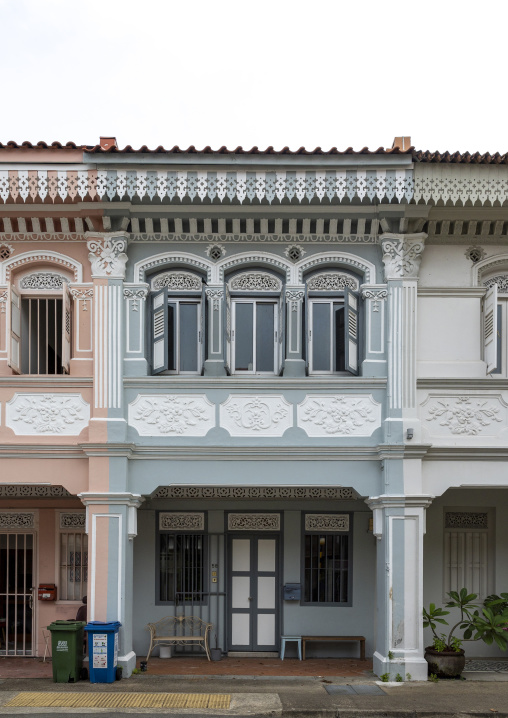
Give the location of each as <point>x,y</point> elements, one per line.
<point>160,355</point>
<point>202,329</point>
<point>490,329</point>
<point>228,332</point>
<point>66,328</point>
<point>281,349</point>
<point>306,329</point>
<point>14,331</point>
<point>351,331</point>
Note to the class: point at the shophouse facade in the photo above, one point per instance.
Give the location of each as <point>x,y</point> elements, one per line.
<point>265,388</point>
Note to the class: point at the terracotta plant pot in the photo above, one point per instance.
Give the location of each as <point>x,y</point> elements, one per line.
<point>445,664</point>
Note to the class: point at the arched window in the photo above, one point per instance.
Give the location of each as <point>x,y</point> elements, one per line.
<point>177,322</point>
<point>256,322</point>
<point>39,323</point>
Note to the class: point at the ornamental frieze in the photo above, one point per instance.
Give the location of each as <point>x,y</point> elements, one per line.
<point>42,281</point>
<point>332,282</point>
<point>12,520</point>
<point>466,520</point>
<point>177,282</point>
<point>74,521</point>
<point>256,492</point>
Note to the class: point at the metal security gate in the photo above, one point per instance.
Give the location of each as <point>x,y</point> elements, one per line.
<point>16,595</point>
<point>200,587</point>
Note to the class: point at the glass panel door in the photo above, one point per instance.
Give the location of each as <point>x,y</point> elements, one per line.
<point>253,602</point>
<point>254,336</point>
<point>16,597</point>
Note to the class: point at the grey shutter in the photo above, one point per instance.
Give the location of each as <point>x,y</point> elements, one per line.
<point>160,361</point>
<point>282,331</point>
<point>490,329</point>
<point>202,330</point>
<point>351,331</point>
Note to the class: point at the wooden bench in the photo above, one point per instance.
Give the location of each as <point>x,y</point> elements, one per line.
<point>351,639</point>
<point>179,631</point>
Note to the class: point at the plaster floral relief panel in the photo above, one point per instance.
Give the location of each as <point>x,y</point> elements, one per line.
<point>171,415</point>
<point>464,416</point>
<point>323,415</point>
<point>264,415</point>
<point>47,414</point>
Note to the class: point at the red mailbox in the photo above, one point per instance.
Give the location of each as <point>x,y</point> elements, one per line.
<point>47,592</point>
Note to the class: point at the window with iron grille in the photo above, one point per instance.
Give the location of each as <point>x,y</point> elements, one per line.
<point>73,566</point>
<point>468,551</point>
<point>181,568</point>
<point>327,567</point>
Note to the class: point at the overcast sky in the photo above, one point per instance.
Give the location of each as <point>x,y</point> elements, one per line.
<point>268,72</point>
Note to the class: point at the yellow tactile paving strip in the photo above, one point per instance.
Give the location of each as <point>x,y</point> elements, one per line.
<point>48,699</point>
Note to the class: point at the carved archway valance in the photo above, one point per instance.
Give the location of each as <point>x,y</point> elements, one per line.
<point>42,281</point>
<point>177,281</point>
<point>255,282</point>
<point>501,280</point>
<point>332,282</point>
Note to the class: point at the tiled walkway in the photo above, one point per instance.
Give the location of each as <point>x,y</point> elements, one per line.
<point>199,666</point>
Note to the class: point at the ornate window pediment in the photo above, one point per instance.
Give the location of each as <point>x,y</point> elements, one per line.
<point>255,282</point>
<point>177,281</point>
<point>332,282</point>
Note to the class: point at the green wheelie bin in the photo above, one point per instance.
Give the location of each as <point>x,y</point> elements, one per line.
<point>67,650</point>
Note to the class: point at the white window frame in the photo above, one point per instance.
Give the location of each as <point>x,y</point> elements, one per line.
<point>274,302</point>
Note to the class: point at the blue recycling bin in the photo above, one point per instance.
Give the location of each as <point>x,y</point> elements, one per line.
<point>103,650</point>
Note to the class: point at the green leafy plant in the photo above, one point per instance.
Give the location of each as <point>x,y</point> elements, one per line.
<point>487,623</point>
<point>385,677</point>
<point>433,678</point>
<point>390,655</point>
<point>399,678</point>
<point>408,676</point>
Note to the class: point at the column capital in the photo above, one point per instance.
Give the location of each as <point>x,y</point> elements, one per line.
<point>399,501</point>
<point>107,254</point>
<point>402,254</point>
<point>123,498</point>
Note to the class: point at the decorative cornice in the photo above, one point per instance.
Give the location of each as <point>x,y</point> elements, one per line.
<point>472,184</point>
<point>402,255</point>
<point>373,185</point>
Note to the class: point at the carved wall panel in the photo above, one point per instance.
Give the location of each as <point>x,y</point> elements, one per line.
<point>253,522</point>
<point>339,415</point>
<point>181,521</point>
<point>170,415</point>
<point>466,520</point>
<point>47,414</point>
<point>247,415</point>
<point>464,416</point>
<point>327,522</point>
<point>17,521</point>
<point>75,521</point>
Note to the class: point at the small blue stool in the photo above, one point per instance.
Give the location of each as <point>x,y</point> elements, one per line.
<point>283,640</point>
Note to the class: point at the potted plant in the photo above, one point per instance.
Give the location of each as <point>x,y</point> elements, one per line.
<point>446,656</point>
<point>216,653</point>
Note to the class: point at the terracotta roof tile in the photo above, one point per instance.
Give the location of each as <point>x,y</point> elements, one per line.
<point>423,156</point>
